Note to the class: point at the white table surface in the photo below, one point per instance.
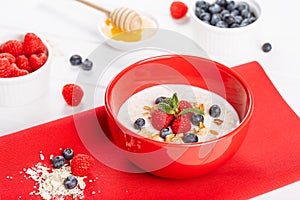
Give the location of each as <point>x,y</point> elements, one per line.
<point>71,28</point>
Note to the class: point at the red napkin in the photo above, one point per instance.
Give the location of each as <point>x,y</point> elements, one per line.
<point>268,159</point>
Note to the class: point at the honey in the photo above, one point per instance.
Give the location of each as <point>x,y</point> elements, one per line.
<point>113,32</point>
<point>117,34</point>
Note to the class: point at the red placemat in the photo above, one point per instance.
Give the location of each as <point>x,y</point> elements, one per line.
<point>268,159</point>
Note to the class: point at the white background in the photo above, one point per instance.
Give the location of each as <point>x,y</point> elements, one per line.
<point>71,28</point>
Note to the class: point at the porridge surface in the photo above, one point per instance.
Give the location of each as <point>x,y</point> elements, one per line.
<point>133,108</point>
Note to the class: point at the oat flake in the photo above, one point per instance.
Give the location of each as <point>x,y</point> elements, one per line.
<point>50,182</point>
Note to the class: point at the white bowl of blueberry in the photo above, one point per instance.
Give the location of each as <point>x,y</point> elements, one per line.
<point>226,28</point>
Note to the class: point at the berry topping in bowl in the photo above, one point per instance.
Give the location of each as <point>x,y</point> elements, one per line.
<point>160,119</point>
<point>215,111</point>
<point>139,123</point>
<point>181,125</point>
<point>190,138</point>
<point>159,99</point>
<point>165,131</point>
<point>196,119</point>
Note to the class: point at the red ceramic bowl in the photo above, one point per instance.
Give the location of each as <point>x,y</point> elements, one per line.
<point>178,160</point>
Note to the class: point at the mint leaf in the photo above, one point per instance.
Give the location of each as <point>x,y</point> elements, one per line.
<point>175,101</point>
<point>165,108</point>
<point>191,110</point>
<point>168,101</point>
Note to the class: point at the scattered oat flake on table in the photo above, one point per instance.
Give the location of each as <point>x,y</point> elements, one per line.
<point>42,157</point>
<point>51,182</point>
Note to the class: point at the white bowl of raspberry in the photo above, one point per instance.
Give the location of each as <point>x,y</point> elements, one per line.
<point>24,68</point>
<point>228,30</point>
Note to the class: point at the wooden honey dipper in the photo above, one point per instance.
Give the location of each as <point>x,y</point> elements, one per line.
<point>124,18</point>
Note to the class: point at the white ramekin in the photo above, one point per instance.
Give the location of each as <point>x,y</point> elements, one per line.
<point>18,91</point>
<point>228,43</point>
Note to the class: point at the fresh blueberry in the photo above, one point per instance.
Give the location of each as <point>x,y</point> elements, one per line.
<point>139,123</point>
<point>58,161</point>
<point>215,18</point>
<point>202,4</point>
<point>245,22</point>
<point>198,11</point>
<point>221,24</point>
<point>70,182</point>
<point>76,60</point>
<point>159,99</point>
<point>190,138</point>
<point>214,8</point>
<point>215,111</point>
<point>235,12</point>
<point>196,119</point>
<point>238,19</point>
<point>245,13</point>
<point>229,19</point>
<point>222,3</point>
<point>206,22</point>
<point>230,6</point>
<point>266,47</point>
<point>205,16</point>
<point>68,153</point>
<point>224,12</point>
<point>87,64</point>
<point>252,19</point>
<point>165,131</point>
<point>234,25</point>
<point>242,5</point>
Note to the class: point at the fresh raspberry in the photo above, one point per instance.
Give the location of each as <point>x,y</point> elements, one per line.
<point>72,94</point>
<point>23,63</point>
<point>9,57</point>
<point>33,44</point>
<point>81,164</point>
<point>13,47</point>
<point>184,105</point>
<point>181,125</point>
<point>5,68</point>
<point>20,72</point>
<point>37,60</point>
<point>178,9</point>
<point>16,71</point>
<point>160,119</point>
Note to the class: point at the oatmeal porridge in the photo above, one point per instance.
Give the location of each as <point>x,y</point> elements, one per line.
<point>178,113</point>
